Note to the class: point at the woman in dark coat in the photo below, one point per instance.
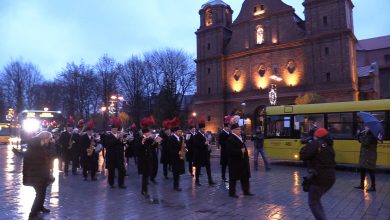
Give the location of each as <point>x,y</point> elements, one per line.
<point>320,157</point>
<point>36,170</point>
<point>238,162</point>
<point>368,156</point>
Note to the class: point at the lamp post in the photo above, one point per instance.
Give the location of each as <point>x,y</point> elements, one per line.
<point>113,107</point>
<point>196,119</point>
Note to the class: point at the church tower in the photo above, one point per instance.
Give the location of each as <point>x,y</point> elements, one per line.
<point>212,36</point>
<point>330,46</point>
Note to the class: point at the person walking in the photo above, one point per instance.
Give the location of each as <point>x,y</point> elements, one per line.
<point>222,137</point>
<point>320,158</point>
<point>36,170</point>
<point>368,157</point>
<point>238,162</point>
<point>177,153</point>
<point>258,141</point>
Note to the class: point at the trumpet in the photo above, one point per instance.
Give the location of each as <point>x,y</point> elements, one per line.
<point>91,147</point>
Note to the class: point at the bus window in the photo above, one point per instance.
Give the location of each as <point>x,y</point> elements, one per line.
<point>279,126</point>
<point>303,124</point>
<point>340,125</point>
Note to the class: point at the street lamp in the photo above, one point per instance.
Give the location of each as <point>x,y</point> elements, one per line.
<point>113,107</point>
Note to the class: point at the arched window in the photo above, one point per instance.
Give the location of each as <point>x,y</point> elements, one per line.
<point>209,17</point>
<point>259,34</point>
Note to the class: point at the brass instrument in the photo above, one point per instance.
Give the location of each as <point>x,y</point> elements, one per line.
<point>183,150</point>
<point>92,145</point>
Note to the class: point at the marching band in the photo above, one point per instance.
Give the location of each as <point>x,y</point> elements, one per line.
<point>84,147</point>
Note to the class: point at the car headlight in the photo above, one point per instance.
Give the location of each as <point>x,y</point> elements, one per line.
<point>31,125</point>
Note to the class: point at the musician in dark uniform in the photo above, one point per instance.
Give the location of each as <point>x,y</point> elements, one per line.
<point>145,148</point>
<point>115,159</point>
<point>66,144</point>
<point>165,158</point>
<point>177,152</point>
<point>202,153</point>
<point>89,154</point>
<point>238,162</point>
<point>189,143</point>
<point>222,137</point>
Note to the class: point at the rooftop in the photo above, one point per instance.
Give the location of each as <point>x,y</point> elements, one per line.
<point>214,2</point>
<point>374,43</point>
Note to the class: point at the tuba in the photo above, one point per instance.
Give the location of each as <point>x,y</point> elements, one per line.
<point>183,150</point>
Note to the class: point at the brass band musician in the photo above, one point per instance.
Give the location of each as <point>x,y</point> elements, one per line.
<point>89,153</point>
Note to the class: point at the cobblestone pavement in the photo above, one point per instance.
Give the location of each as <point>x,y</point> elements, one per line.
<point>278,196</point>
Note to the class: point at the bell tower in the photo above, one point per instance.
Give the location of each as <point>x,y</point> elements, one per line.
<point>330,48</point>
<point>212,36</point>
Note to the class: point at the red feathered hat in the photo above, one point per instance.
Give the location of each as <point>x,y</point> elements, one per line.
<point>116,123</point>
<point>321,133</point>
<point>167,124</point>
<point>53,124</point>
<point>146,123</point>
<point>70,122</point>
<point>90,125</point>
<point>191,123</point>
<point>175,122</point>
<point>227,120</point>
<point>202,122</point>
<point>80,123</point>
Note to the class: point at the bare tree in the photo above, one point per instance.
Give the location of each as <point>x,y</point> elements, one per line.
<point>107,72</point>
<point>18,81</point>
<point>132,85</point>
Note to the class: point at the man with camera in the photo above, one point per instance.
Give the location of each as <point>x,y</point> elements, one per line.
<point>320,158</point>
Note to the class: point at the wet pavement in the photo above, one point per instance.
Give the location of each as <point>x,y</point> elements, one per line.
<point>278,196</point>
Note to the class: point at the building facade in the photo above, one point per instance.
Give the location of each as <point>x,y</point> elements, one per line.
<point>269,46</point>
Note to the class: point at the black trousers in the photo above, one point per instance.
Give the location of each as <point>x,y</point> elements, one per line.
<point>176,179</point>
<point>145,182</point>
<point>121,175</point>
<point>208,170</point>
<point>223,170</point>
<point>165,169</point>
<point>155,167</point>
<point>315,194</point>
<point>90,164</point>
<point>40,194</point>
<point>244,186</point>
<point>363,172</point>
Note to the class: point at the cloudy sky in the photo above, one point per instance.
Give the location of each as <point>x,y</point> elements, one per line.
<point>51,33</point>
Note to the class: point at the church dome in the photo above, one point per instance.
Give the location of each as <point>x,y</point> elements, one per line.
<point>214,2</point>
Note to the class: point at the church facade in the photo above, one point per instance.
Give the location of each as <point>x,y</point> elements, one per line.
<point>269,47</point>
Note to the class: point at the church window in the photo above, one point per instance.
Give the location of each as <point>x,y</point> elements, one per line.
<point>258,10</point>
<point>259,34</point>
<point>325,20</point>
<point>328,77</point>
<point>208,46</point>
<point>209,91</point>
<point>208,118</point>
<point>208,70</point>
<point>209,17</point>
<point>326,51</point>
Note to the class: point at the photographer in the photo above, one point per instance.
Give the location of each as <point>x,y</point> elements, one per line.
<point>320,157</point>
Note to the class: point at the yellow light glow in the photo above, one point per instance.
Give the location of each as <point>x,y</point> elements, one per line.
<point>291,79</point>
<point>296,156</point>
<point>46,115</point>
<point>237,86</point>
<point>261,82</point>
<point>274,40</point>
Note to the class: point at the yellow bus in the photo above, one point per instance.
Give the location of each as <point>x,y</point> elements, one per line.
<point>286,125</point>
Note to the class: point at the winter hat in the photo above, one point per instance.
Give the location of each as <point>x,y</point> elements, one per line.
<point>321,132</point>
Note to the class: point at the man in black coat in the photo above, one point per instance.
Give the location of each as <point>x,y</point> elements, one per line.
<point>190,147</point>
<point>115,158</point>
<point>222,138</point>
<point>89,156</point>
<point>36,170</point>
<point>146,146</point>
<point>201,154</point>
<point>175,144</point>
<point>165,157</point>
<point>66,145</point>
<point>238,162</point>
